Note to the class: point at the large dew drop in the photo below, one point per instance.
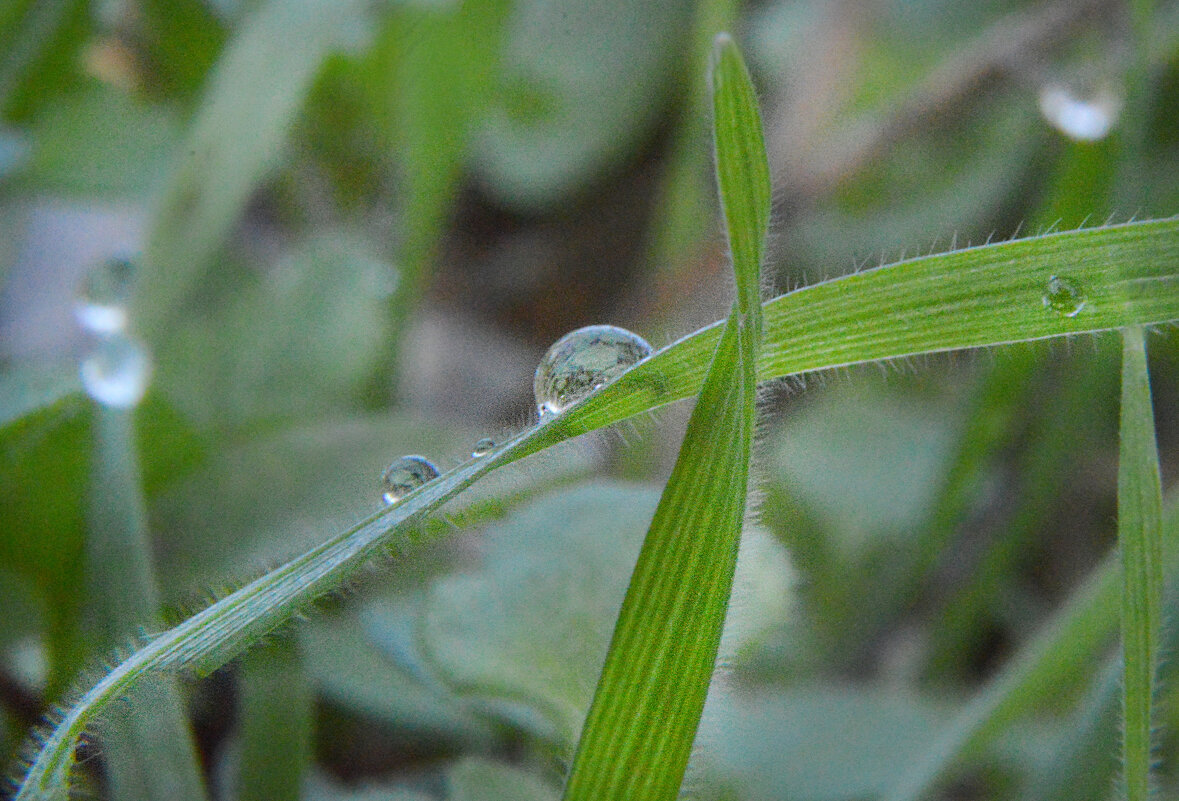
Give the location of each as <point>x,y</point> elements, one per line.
<point>483,447</point>
<point>116,372</point>
<point>405,475</point>
<point>1064,296</point>
<point>583,360</point>
<point>102,300</point>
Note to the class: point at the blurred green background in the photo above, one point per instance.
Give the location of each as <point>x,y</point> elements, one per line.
<point>356,226</point>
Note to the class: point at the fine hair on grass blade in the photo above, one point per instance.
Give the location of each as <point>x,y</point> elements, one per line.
<point>640,728</point>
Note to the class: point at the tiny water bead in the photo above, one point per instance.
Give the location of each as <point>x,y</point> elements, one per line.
<point>116,372</point>
<point>482,447</point>
<point>102,299</point>
<point>405,475</point>
<point>1064,296</point>
<point>583,360</point>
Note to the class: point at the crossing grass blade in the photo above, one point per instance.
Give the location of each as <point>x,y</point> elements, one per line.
<point>988,295</point>
<point>1140,540</point>
<point>639,731</point>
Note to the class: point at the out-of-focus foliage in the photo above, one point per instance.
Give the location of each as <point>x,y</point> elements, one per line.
<point>357,225</point>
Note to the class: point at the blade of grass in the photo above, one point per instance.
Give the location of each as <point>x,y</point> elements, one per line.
<point>1073,635</point>
<point>981,296</point>
<point>238,133</point>
<point>277,725</point>
<point>1140,539</point>
<point>640,728</point>
<point>149,750</point>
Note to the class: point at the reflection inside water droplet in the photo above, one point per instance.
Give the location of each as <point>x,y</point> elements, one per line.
<point>583,360</point>
<point>405,475</point>
<point>482,447</point>
<point>116,372</point>
<point>1064,296</point>
<point>102,299</point>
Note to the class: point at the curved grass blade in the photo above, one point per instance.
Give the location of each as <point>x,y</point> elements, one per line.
<point>972,298</point>
<point>1140,540</point>
<point>640,728</point>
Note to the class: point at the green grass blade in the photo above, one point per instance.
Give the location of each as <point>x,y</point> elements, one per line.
<point>276,710</point>
<point>148,748</point>
<point>640,728</point>
<point>742,172</point>
<point>981,296</point>
<point>1140,539</point>
<point>240,129</point>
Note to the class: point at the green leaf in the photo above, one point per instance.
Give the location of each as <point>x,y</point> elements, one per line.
<point>530,627</point>
<point>237,137</point>
<point>275,710</point>
<point>1140,540</point>
<point>982,296</point>
<point>639,732</point>
<point>300,341</point>
<point>580,85</point>
<point>823,742</point>
<point>481,780</point>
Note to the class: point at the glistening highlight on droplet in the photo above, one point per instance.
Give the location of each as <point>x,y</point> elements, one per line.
<point>1084,119</point>
<point>583,360</point>
<point>117,371</point>
<point>1064,296</point>
<point>405,475</point>
<point>482,447</point>
<point>101,306</point>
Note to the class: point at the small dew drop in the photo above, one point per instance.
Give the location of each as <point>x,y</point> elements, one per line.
<point>1085,119</point>
<point>101,307</point>
<point>116,372</point>
<point>1064,296</point>
<point>482,447</point>
<point>405,475</point>
<point>583,360</point>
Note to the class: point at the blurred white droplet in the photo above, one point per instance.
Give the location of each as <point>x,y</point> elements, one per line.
<point>1085,119</point>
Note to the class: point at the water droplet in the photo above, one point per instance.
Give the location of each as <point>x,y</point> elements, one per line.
<point>117,371</point>
<point>482,447</point>
<point>1085,119</point>
<point>583,360</point>
<point>102,301</point>
<point>405,475</point>
<point>1064,296</point>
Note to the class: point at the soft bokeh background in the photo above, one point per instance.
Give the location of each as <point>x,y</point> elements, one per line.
<point>357,224</point>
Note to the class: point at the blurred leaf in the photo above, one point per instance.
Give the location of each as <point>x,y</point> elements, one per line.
<point>41,40</point>
<point>300,340</point>
<point>275,712</point>
<point>581,86</point>
<point>823,742</point>
<point>350,670</point>
<point>481,780</point>
<point>533,623</point>
<point>182,39</point>
<point>27,388</point>
<point>254,505</point>
<point>867,462</point>
<point>44,471</point>
<point>238,136</point>
<point>148,747</point>
<point>100,143</point>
